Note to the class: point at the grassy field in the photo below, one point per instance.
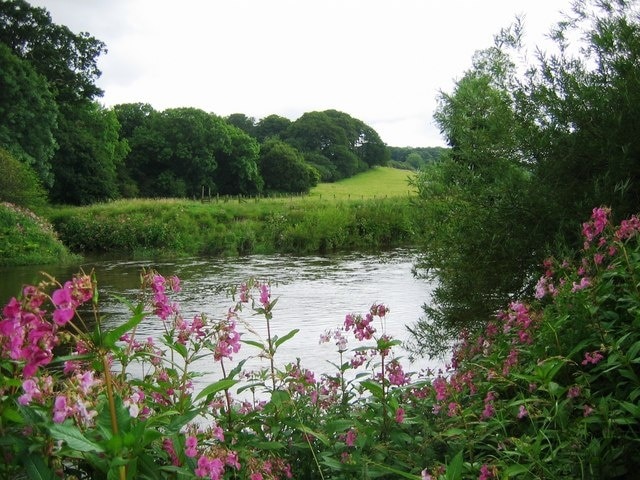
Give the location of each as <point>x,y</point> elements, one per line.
<point>369,211</point>
<point>375,183</point>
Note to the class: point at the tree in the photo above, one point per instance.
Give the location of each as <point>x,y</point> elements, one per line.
<point>68,61</point>
<point>476,206</point>
<point>237,171</point>
<point>244,123</point>
<point>91,151</point>
<point>28,115</point>
<point>348,143</point>
<point>534,148</point>
<point>271,126</point>
<point>283,168</point>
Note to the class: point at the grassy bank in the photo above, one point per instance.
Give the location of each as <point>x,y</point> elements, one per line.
<point>370,211</point>
<point>27,239</point>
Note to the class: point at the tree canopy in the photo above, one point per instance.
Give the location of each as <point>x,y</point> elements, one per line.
<point>83,152</point>
<point>533,148</point>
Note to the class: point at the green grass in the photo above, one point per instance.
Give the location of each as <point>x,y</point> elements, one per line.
<point>27,239</point>
<point>379,182</point>
<point>367,212</point>
<point>370,211</point>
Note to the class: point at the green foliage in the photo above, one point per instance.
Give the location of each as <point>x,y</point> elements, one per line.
<point>283,168</point>
<point>28,115</point>
<point>91,152</point>
<point>68,61</point>
<point>350,145</point>
<point>27,239</point>
<point>366,212</point>
<point>271,126</point>
<point>547,389</point>
<point>533,146</point>
<point>19,184</point>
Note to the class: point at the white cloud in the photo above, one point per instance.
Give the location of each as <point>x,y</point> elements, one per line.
<point>379,61</point>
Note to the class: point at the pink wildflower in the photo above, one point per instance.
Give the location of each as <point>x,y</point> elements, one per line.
<point>400,415</point>
<point>486,473</point>
<point>60,409</point>
<point>228,341</point>
<point>584,283</point>
<point>573,392</point>
<point>350,438</point>
<point>167,445</point>
<point>628,228</point>
<point>587,410</point>
<point>395,374</point>
<point>599,220</point>
<point>191,445</point>
<point>522,412</point>
<point>440,386</point>
<point>265,294</point>
<point>592,357</point>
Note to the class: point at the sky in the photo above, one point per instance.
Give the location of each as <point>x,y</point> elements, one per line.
<point>383,62</point>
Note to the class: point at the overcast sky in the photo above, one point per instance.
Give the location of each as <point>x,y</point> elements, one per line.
<point>381,61</point>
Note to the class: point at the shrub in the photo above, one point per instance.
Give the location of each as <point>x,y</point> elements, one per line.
<point>19,183</point>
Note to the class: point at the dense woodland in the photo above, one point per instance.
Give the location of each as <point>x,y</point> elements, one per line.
<point>51,122</point>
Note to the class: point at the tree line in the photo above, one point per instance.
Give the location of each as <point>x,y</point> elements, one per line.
<point>535,145</point>
<point>54,130</point>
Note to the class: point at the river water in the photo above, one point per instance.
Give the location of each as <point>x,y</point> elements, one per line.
<point>314,294</point>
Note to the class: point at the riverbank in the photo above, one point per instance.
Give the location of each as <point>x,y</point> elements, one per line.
<point>29,239</point>
<point>240,226</point>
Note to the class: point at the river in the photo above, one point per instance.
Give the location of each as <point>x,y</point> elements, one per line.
<point>314,294</point>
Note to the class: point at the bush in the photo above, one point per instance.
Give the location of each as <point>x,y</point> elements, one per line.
<point>19,183</point>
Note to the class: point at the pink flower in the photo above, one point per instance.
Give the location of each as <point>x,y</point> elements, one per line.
<point>396,374</point>
<point>265,294</point>
<point>60,409</point>
<point>168,447</point>
<point>232,460</point>
<point>400,415</point>
<point>228,341</point>
<point>485,473</point>
<point>584,283</point>
<point>350,438</point>
<point>592,357</point>
<point>599,220</point>
<point>256,476</point>
<point>211,467</point>
<point>440,386</point>
<point>522,412</point>
<point>31,392</point>
<point>587,410</point>
<point>191,445</point>
<point>65,306</point>
<point>573,392</point>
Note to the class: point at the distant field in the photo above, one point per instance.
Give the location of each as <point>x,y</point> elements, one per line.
<point>378,182</point>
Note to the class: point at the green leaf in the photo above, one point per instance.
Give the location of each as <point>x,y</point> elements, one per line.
<point>224,384</point>
<point>36,468</point>
<point>74,438</point>
<point>397,472</point>
<point>373,387</point>
<point>110,339</point>
<point>514,470</point>
<point>454,468</point>
<point>304,429</point>
<point>280,341</point>
<point>254,344</point>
